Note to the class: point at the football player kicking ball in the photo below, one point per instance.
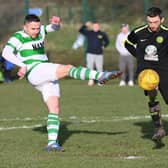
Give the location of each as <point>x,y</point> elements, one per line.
<point>149,44</point>
<point>26,50</point>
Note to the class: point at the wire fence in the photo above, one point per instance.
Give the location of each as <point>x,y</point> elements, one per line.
<point>12,12</point>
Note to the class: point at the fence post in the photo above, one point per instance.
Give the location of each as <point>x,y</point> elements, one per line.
<point>146,5</point>
<point>70,13</point>
<point>26,2</point>
<point>58,9</point>
<point>84,19</point>
<point>92,13</point>
<point>47,13</point>
<point>85,10</point>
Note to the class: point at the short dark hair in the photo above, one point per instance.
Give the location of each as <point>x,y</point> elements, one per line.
<point>154,11</point>
<point>95,22</point>
<point>31,18</point>
<point>124,25</point>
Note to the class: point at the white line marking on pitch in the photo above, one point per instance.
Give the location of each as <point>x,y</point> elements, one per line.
<point>133,157</point>
<point>85,119</point>
<point>20,127</point>
<point>75,119</point>
<point>22,119</point>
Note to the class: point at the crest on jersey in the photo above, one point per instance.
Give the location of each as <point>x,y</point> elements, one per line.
<point>151,53</point>
<point>100,36</point>
<point>159,39</point>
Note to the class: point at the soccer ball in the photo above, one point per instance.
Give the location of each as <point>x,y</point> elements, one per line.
<point>148,79</point>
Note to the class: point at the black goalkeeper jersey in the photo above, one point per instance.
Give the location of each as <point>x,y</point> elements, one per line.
<point>149,48</point>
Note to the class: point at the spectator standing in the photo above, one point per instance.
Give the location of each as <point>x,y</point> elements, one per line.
<point>8,67</point>
<point>1,74</point>
<point>97,40</point>
<point>125,60</point>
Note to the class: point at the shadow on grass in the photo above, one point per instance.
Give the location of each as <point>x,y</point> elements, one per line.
<point>147,129</point>
<point>65,133</point>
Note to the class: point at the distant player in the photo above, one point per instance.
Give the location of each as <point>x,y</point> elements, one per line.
<point>149,44</point>
<point>26,50</point>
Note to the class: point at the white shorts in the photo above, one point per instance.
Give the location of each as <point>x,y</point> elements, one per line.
<point>43,78</point>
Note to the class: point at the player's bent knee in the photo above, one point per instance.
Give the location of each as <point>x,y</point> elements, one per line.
<point>63,71</point>
<point>69,67</point>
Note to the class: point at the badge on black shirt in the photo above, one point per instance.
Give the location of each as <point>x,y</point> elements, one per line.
<point>151,53</point>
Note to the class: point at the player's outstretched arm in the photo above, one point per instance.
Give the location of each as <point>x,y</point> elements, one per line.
<point>8,54</point>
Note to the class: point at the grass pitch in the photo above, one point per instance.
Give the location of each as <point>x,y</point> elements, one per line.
<point>101,127</point>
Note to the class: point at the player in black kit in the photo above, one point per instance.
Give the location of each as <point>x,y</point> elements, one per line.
<point>149,44</point>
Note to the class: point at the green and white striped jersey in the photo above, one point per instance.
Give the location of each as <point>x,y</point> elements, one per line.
<point>29,50</point>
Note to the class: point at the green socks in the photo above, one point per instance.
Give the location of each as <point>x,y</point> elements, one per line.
<point>84,73</point>
<point>52,127</point>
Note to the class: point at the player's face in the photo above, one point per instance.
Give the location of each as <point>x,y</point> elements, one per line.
<point>154,23</point>
<point>32,29</point>
<point>125,30</point>
<point>96,27</point>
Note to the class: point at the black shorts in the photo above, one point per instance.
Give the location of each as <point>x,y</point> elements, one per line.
<point>163,86</point>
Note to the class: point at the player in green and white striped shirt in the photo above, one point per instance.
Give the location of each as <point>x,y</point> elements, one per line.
<point>26,50</point>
